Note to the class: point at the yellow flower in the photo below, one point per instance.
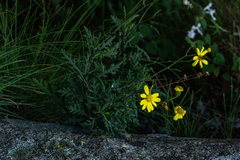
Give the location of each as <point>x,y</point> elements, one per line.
<point>199,58</point>
<point>82,143</point>
<point>149,100</point>
<point>179,113</point>
<point>124,145</point>
<point>178,88</point>
<point>209,49</point>
<point>164,104</point>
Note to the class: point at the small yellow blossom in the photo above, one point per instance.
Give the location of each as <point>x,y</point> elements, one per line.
<point>124,145</point>
<point>149,100</point>
<point>57,144</point>
<point>209,49</point>
<point>103,135</point>
<point>164,104</point>
<point>179,113</point>
<point>178,88</point>
<point>82,143</point>
<point>199,58</point>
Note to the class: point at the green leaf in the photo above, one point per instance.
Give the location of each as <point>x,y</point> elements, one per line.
<point>188,40</point>
<point>219,59</point>
<point>145,30</point>
<point>236,34</point>
<point>152,48</point>
<point>236,63</point>
<point>208,68</point>
<point>207,39</point>
<point>226,76</point>
<point>199,44</point>
<point>135,36</point>
<point>216,71</point>
<point>204,23</point>
<point>214,49</point>
<point>104,107</point>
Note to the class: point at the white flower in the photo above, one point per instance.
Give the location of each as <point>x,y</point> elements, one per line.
<point>191,34</point>
<point>210,11</point>
<point>187,3</point>
<point>208,6</point>
<point>197,28</point>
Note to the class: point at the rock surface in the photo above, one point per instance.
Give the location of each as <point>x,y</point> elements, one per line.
<point>26,140</point>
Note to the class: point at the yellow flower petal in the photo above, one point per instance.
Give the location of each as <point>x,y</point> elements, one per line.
<point>154,103</point>
<point>200,63</point>
<point>195,63</point>
<point>203,53</point>
<point>184,112</point>
<point>144,106</point>
<point>195,58</point>
<point>143,95</point>
<point>144,101</point>
<point>198,52</point>
<point>156,99</point>
<point>202,49</point>
<point>149,107</point>
<point>180,116</point>
<point>175,118</point>
<point>155,95</point>
<point>205,62</point>
<point>146,89</point>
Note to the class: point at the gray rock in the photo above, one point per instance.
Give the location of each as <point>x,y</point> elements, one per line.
<point>20,140</point>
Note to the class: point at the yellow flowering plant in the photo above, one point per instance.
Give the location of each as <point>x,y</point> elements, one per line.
<point>178,88</point>
<point>199,58</point>
<point>149,99</point>
<point>179,113</point>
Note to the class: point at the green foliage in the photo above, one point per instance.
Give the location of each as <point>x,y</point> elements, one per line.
<point>92,95</point>
<point>93,79</point>
<point>236,63</point>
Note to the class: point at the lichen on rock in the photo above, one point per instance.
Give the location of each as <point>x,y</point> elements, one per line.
<point>55,148</point>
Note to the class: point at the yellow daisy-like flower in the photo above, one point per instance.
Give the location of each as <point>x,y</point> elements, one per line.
<point>179,113</point>
<point>149,100</point>
<point>199,58</point>
<point>178,88</point>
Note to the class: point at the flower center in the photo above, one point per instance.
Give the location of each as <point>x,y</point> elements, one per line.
<point>149,98</point>
<point>200,58</point>
<point>180,110</point>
